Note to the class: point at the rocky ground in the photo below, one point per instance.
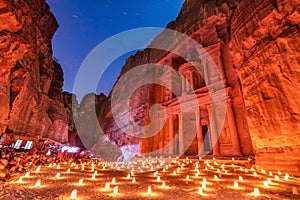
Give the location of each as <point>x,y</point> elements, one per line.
<point>220,177</point>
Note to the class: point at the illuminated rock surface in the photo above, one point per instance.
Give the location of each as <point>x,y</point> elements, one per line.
<point>31,81</point>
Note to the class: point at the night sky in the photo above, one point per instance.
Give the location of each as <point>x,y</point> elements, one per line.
<point>86,23</point>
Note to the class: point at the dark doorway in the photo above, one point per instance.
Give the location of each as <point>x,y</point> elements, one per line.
<point>206,141</point>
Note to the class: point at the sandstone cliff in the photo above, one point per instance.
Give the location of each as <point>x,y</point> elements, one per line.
<point>265,47</point>
<point>259,45</point>
<point>31,81</point>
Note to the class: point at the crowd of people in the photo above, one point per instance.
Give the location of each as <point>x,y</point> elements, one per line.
<point>12,162</point>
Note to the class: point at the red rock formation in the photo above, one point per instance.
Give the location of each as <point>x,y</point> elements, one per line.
<point>256,44</point>
<point>265,47</point>
<point>31,81</point>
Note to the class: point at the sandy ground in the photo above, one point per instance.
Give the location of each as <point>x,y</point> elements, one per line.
<point>177,185</point>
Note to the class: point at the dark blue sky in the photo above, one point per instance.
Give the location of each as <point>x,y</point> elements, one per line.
<point>86,23</point>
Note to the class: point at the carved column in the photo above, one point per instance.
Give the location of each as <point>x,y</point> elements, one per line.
<point>233,130</point>
<point>181,135</point>
<point>199,134</point>
<point>171,135</point>
<point>213,131</point>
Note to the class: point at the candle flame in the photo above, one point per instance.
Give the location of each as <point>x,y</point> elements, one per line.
<point>200,191</point>
<point>20,180</point>
<point>73,195</point>
<point>27,174</point>
<point>38,169</point>
<point>256,192</point>
<point>133,180</point>
<point>149,190</point>
<point>116,190</point>
<point>107,186</point>
<point>163,185</point>
<point>38,183</point>
<point>236,184</point>
<point>113,181</point>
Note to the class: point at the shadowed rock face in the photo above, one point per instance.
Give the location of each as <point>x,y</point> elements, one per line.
<point>31,81</point>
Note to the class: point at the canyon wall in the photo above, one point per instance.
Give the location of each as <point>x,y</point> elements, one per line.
<point>265,46</point>
<point>259,45</point>
<point>30,80</point>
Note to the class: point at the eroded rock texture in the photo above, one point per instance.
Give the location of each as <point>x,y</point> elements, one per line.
<point>31,81</point>
<point>265,47</point>
<point>255,45</point>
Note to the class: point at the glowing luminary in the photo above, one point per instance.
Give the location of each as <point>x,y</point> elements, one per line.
<point>256,192</point>
<point>269,181</point>
<point>279,173</point>
<point>73,195</point>
<point>20,180</point>
<point>240,178</point>
<point>254,174</point>
<point>266,183</point>
<point>203,185</point>
<point>164,170</point>
<point>149,192</point>
<point>174,172</point>
<point>58,167</point>
<point>235,184</point>
<point>216,177</point>
<point>116,190</point>
<point>276,178</point>
<point>38,169</point>
<point>163,184</point>
<point>158,178</point>
<point>133,180</point>
<point>113,180</point>
<point>57,175</point>
<point>270,174</point>
<point>204,180</point>
<point>27,174</point>
<point>187,177</point>
<point>38,183</point>
<point>69,170</point>
<point>200,191</point>
<point>80,182</point>
<point>107,185</point>
<point>286,177</point>
<point>93,176</point>
<point>128,176</point>
<point>196,175</point>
